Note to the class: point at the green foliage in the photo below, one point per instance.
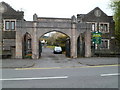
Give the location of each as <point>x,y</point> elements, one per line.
<point>116,9</point>
<point>51,47</point>
<point>56,39</point>
<point>61,40</point>
<point>29,56</point>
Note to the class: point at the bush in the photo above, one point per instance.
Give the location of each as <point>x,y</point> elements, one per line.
<point>28,56</point>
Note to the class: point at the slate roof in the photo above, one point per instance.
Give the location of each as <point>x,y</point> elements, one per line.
<point>92,18</point>
<point>97,8</point>
<point>10,13</point>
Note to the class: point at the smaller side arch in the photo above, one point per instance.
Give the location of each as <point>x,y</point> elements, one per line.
<point>27,46</point>
<point>80,45</point>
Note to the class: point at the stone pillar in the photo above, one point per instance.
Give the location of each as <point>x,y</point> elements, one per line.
<point>35,17</point>
<point>73,38</point>
<point>88,43</point>
<point>35,43</point>
<point>19,45</point>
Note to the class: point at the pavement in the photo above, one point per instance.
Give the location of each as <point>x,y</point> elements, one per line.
<point>68,62</point>
<point>16,63</point>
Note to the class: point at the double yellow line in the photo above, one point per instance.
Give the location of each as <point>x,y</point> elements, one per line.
<point>67,67</point>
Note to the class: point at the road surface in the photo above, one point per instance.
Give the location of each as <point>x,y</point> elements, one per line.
<point>79,77</point>
<point>66,77</point>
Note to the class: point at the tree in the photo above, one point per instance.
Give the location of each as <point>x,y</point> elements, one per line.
<point>61,40</point>
<point>116,9</point>
<point>55,38</point>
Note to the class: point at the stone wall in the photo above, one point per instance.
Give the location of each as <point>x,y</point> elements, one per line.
<point>36,29</point>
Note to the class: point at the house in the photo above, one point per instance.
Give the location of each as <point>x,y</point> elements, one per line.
<point>9,18</point>
<point>105,24</point>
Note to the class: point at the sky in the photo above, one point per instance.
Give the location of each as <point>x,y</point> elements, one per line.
<point>58,8</point>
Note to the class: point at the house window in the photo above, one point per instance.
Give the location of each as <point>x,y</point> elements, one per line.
<point>9,25</point>
<point>105,44</point>
<point>93,27</point>
<point>104,27</point>
<point>12,25</point>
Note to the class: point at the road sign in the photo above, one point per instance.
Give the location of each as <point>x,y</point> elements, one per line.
<point>96,37</point>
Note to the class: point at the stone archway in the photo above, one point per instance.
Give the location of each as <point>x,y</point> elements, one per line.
<point>26,46</point>
<point>68,26</point>
<point>63,44</point>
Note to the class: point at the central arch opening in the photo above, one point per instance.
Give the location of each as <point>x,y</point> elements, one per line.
<point>54,45</point>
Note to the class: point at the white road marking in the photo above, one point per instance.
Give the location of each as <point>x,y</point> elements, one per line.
<point>113,74</point>
<point>38,78</point>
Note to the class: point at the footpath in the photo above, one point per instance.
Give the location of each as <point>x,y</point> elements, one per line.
<point>47,63</point>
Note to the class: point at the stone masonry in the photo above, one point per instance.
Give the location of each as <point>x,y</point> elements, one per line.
<point>40,26</point>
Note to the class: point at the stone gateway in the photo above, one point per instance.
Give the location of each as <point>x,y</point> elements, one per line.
<point>21,37</point>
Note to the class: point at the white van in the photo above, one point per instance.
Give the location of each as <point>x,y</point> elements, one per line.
<point>57,50</point>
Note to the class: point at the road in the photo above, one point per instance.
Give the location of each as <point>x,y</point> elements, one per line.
<point>47,54</point>
<point>66,77</point>
<point>86,77</point>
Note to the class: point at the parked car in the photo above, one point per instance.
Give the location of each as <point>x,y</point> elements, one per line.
<point>57,50</point>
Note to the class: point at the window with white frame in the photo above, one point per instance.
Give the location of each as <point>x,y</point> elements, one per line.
<point>12,25</point>
<point>104,27</point>
<point>94,26</point>
<point>105,44</point>
<point>9,25</point>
